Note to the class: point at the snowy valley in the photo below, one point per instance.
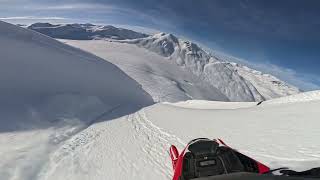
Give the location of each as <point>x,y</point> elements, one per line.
<point>107,103</point>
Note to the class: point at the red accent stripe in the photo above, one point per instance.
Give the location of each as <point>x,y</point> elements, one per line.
<point>174,154</point>
<point>221,142</point>
<point>178,167</point>
<point>261,167</point>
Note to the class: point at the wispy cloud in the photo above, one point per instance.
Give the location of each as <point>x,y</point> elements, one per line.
<point>75,6</point>
<point>138,28</point>
<point>31,18</point>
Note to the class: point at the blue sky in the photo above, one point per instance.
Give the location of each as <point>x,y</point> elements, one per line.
<point>278,37</point>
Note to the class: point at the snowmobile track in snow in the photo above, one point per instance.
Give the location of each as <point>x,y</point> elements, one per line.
<point>157,141</point>
<point>154,141</point>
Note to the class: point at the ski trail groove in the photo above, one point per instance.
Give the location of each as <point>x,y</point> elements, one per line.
<point>156,142</point>
<point>152,143</point>
<point>67,150</point>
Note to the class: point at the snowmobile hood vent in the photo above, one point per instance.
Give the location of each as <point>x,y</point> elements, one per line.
<point>203,146</point>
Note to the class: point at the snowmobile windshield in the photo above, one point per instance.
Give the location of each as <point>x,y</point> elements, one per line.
<point>203,146</point>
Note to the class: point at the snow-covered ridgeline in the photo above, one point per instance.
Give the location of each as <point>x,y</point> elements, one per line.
<point>237,82</point>
<point>302,97</point>
<point>50,91</point>
<point>84,31</point>
<point>234,81</point>
<point>162,79</point>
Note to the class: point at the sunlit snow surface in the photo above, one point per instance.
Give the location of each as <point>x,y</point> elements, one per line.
<point>136,146</point>
<point>171,69</point>
<point>50,91</point>
<point>160,77</point>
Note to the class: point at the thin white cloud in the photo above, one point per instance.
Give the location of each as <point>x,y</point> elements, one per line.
<point>31,18</point>
<point>146,30</point>
<point>76,6</point>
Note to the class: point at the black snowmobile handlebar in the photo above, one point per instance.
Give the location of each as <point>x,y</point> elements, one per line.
<point>251,176</point>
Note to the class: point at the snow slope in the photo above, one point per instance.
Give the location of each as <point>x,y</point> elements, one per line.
<point>278,135</point>
<point>238,83</point>
<point>161,78</point>
<point>304,97</point>
<point>227,81</point>
<point>267,85</point>
<point>84,31</point>
<point>164,80</point>
<point>67,114</point>
<point>50,91</point>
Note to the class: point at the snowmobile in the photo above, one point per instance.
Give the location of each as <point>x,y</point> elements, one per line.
<point>205,159</point>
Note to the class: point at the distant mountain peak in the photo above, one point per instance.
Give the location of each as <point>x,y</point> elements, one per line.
<point>85,31</point>
<point>237,82</point>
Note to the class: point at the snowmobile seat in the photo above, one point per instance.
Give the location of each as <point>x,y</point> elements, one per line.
<point>205,158</point>
<point>201,166</point>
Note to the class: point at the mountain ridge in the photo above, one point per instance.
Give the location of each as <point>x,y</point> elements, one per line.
<point>217,71</point>
<point>235,81</point>
<point>84,31</point>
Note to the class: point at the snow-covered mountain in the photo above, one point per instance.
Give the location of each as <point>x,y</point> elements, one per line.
<point>237,82</point>
<point>84,31</point>
<point>212,77</point>
<point>267,85</point>
<point>162,79</point>
<point>67,114</point>
<point>270,86</point>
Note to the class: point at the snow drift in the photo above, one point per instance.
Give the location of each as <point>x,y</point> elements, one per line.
<point>283,135</point>
<point>50,91</point>
<point>35,68</point>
